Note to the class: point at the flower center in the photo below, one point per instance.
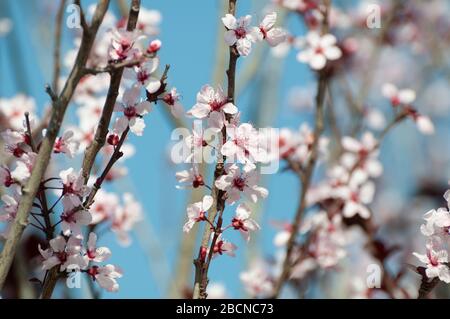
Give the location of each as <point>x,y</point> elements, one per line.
<point>238,224</point>
<point>216,105</point>
<point>142,76</point>
<point>130,112</point>
<point>239,183</point>
<point>240,33</point>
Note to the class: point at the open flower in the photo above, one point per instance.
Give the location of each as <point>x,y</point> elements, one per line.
<point>66,144</point>
<point>190,178</point>
<point>362,155</point>
<point>73,186</point>
<point>240,33</point>
<point>122,45</point>
<point>319,50</point>
<point>356,195</point>
<point>224,247</point>
<point>133,110</point>
<point>73,217</point>
<point>172,99</point>
<point>437,222</point>
<point>268,32</point>
<point>94,253</point>
<point>144,75</point>
<point>212,104</point>
<point>62,252</point>
<point>125,218</point>
<point>436,263</point>
<point>235,182</point>
<point>243,223</point>
<point>197,212</point>
<point>106,276</point>
<point>243,144</point>
<point>398,97</point>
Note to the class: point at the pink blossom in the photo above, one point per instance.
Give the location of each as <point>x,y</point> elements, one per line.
<point>133,111</point>
<point>122,44</point>
<point>436,263</point>
<point>73,217</point>
<point>65,253</point>
<point>243,144</point>
<point>243,223</point>
<point>94,253</point>
<point>319,50</point>
<point>268,32</point>
<point>73,186</point>
<point>224,247</point>
<point>212,104</point>
<point>125,218</point>
<point>106,276</point>
<point>13,110</point>
<point>5,176</point>
<point>235,182</point>
<point>190,178</point>
<point>197,212</point>
<point>66,144</point>
<point>172,99</point>
<point>240,32</point>
<point>398,97</point>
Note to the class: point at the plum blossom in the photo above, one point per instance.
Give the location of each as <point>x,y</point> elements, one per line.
<point>73,186</point>
<point>73,217</point>
<point>243,144</point>
<point>13,110</point>
<point>154,46</point>
<point>212,104</point>
<point>94,253</point>
<point>24,167</point>
<point>197,212</point>
<point>66,144</point>
<point>224,247</point>
<point>398,97</point>
<point>235,182</point>
<point>362,155</point>
<point>144,75</point>
<point>132,110</point>
<point>268,32</point>
<point>356,195</point>
<point>172,99</point>
<point>190,178</point>
<point>243,223</point>
<point>106,276</point>
<point>319,50</point>
<point>437,222</point>
<point>257,281</point>
<point>9,210</point>
<point>122,43</point>
<point>16,143</point>
<point>62,252</point>
<point>436,263</point>
<point>125,218</point>
<point>103,207</point>
<point>240,32</point>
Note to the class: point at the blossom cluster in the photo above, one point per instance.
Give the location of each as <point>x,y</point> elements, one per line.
<point>436,229</point>
<point>73,243</point>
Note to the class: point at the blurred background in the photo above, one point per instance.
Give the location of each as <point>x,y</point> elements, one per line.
<point>274,90</point>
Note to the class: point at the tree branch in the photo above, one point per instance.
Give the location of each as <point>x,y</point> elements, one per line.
<point>202,262</point>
